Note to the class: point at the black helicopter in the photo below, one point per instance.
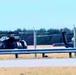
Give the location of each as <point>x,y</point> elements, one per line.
<point>66,44</point>
<point>12,42</point>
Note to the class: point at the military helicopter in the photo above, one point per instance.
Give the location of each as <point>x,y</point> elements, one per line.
<point>67,44</point>
<point>11,42</point>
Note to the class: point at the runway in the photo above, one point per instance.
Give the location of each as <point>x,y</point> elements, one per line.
<point>37,62</point>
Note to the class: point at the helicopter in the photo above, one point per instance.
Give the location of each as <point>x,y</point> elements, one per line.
<point>12,42</point>
<point>67,44</point>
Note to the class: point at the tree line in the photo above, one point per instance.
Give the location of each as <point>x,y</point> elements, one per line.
<point>43,36</point>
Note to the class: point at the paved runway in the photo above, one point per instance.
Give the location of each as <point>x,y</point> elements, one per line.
<point>38,62</point>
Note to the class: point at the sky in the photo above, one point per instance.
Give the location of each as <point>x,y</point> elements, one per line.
<point>30,14</point>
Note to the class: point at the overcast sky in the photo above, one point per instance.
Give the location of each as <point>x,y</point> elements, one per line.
<point>37,14</point>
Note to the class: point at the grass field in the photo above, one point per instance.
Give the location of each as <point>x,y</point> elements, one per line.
<point>38,71</point>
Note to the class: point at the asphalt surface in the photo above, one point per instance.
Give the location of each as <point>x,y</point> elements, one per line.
<point>37,62</point>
